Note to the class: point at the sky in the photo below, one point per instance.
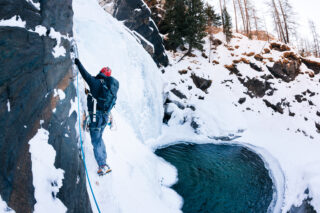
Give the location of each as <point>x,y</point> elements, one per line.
<point>305,10</point>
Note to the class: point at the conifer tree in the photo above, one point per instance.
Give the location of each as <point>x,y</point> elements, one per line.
<point>227,28</point>
<point>185,22</point>
<point>195,24</point>
<point>174,23</point>
<point>213,19</point>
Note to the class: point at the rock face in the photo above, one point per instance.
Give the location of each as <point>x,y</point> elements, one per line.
<point>29,75</point>
<point>137,16</point>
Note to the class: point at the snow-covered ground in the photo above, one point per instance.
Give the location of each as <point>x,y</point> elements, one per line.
<point>292,140</point>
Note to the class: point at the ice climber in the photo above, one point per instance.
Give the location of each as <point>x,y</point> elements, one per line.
<point>100,100</point>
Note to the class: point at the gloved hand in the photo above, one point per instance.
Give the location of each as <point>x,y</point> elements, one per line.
<point>76,61</point>
<point>86,91</point>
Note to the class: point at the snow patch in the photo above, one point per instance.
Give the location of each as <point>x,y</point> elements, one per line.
<point>15,21</point>
<point>4,207</point>
<point>73,107</point>
<point>8,105</point>
<point>47,180</point>
<point>60,93</point>
<point>35,4</point>
<point>40,30</point>
<point>57,50</point>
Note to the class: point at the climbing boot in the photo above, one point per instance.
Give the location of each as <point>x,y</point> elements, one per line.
<point>105,169</point>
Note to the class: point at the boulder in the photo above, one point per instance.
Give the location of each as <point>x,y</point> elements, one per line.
<point>216,42</point>
<point>201,83</point>
<point>300,98</point>
<point>285,70</point>
<point>242,100</point>
<point>178,94</point>
<point>255,67</point>
<point>276,108</point>
<point>256,88</point>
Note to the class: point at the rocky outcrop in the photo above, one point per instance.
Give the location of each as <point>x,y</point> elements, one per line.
<point>279,47</point>
<point>157,11</point>
<point>107,5</point>
<point>285,70</point>
<point>305,207</point>
<point>201,83</point>
<point>29,75</point>
<point>256,87</point>
<point>137,16</point>
<point>276,108</point>
<point>255,67</point>
<point>313,65</point>
<point>178,93</point>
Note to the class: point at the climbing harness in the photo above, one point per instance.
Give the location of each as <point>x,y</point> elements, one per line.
<point>76,55</point>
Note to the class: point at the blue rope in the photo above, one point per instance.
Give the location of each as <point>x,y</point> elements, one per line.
<point>83,157</point>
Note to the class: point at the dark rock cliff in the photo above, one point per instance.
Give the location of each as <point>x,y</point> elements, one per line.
<point>29,73</point>
<point>137,16</point>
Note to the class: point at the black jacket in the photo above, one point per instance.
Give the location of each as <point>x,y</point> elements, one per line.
<point>95,84</point>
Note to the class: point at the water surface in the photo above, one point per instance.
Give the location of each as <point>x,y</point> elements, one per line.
<point>219,178</point>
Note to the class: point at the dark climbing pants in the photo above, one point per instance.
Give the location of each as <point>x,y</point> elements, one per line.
<point>96,132</point>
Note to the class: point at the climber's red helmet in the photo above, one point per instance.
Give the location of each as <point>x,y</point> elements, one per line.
<point>106,71</point>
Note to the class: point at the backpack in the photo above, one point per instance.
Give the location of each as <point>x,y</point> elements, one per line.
<point>108,94</point>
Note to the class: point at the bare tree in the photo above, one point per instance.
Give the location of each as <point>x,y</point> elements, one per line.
<point>221,8</point>
<point>285,21</point>
<point>276,27</point>
<point>315,35</point>
<point>266,29</point>
<point>242,15</point>
<point>248,14</point>
<point>246,9</point>
<point>235,15</point>
<point>278,22</point>
<point>255,18</point>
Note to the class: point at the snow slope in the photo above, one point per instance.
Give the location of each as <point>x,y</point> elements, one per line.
<point>293,141</point>
<point>137,182</point>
